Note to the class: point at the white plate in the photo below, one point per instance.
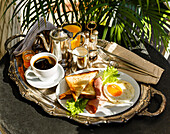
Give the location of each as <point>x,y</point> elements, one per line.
<point>36,82</point>
<point>102,111</point>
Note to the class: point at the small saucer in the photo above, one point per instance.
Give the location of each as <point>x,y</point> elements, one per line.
<point>36,82</point>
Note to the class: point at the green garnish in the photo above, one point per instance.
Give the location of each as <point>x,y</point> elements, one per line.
<point>110,75</point>
<point>76,107</point>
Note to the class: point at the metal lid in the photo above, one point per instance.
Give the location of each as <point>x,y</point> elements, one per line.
<point>87,33</point>
<point>95,32</point>
<point>59,34</point>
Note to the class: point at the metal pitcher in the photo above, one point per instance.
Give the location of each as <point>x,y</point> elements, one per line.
<point>60,43</point>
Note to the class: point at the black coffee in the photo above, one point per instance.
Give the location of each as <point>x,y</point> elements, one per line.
<point>44,63</point>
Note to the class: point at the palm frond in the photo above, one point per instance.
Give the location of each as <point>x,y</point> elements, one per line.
<point>58,10</point>
<point>18,8</point>
<point>42,9</point>
<point>123,20</point>
<point>73,5</point>
<point>27,13</point>
<point>51,11</point>
<point>7,8</point>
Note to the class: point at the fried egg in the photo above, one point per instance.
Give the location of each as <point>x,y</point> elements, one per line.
<point>119,92</point>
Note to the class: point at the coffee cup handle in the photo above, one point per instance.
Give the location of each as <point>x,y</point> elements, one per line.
<point>29,74</point>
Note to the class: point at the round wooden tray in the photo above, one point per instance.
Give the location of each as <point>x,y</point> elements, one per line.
<point>46,98</point>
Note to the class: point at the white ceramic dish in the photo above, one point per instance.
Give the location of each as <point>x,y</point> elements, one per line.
<point>107,109</point>
<point>36,82</point>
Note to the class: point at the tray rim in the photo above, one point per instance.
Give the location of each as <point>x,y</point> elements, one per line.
<point>49,105</point>
<point>51,108</point>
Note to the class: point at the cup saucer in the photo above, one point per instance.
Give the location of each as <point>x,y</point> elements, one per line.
<point>36,82</point>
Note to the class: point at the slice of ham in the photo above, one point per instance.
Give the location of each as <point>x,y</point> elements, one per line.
<point>93,104</point>
<point>98,86</point>
<point>99,89</point>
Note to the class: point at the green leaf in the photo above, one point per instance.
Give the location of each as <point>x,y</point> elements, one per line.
<point>158,5</point>
<point>107,26</point>
<point>126,23</point>
<point>96,7</point>
<point>76,107</point>
<point>120,30</point>
<point>28,13</point>
<point>155,34</point>
<point>105,32</point>
<point>165,42</point>
<point>104,12</point>
<point>127,39</point>
<point>140,3</point>
<point>110,75</point>
<point>147,1</point>
<point>131,35</point>
<point>167,4</point>
<point>131,17</point>
<point>112,31</point>
<point>124,40</point>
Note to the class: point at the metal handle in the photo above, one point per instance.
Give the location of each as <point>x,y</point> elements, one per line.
<point>145,112</point>
<point>47,47</point>
<point>82,34</point>
<point>10,39</point>
<point>91,29</point>
<point>79,33</point>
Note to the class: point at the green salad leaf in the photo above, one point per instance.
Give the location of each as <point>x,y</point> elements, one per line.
<point>110,75</point>
<point>76,107</point>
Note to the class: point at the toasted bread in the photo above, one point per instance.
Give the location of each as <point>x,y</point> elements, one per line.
<point>65,95</point>
<point>88,92</point>
<point>78,82</point>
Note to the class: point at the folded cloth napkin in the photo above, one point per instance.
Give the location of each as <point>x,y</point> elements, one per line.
<point>134,58</point>
<point>27,43</point>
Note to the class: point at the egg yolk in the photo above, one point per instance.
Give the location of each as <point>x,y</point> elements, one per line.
<point>114,90</point>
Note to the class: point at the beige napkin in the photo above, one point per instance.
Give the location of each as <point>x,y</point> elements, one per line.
<point>134,58</point>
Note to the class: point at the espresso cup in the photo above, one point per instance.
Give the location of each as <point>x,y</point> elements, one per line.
<point>44,66</point>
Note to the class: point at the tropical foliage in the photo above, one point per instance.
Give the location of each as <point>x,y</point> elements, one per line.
<point>123,21</point>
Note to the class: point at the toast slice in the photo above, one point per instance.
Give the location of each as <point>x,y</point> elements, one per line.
<point>88,92</point>
<point>78,82</point>
<point>65,95</point>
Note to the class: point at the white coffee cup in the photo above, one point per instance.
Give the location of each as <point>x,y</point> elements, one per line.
<point>44,74</point>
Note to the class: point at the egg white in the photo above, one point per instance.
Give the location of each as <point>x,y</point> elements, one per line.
<point>127,95</point>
